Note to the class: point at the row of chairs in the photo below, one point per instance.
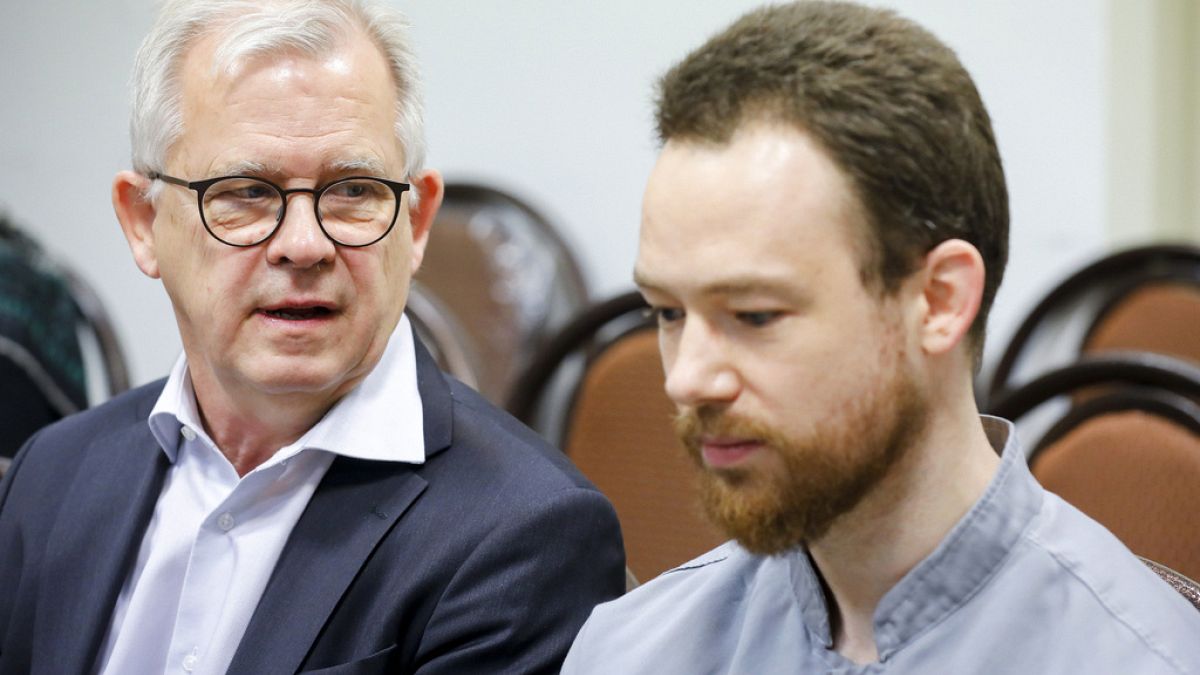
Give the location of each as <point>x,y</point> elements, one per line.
<point>1105,373</point>
<point>1122,442</point>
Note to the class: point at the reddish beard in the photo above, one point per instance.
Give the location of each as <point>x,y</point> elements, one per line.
<point>825,474</point>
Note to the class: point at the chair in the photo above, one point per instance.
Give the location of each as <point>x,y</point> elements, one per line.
<point>617,430</point>
<point>507,277</point>
<point>1155,316</point>
<point>441,334</point>
<point>1106,305</point>
<point>1139,369</point>
<point>1128,456</point>
<point>1183,585</point>
<point>58,350</point>
<point>531,390</point>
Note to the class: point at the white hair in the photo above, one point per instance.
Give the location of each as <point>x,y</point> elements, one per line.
<point>252,28</point>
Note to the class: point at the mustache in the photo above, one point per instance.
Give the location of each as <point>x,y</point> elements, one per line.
<point>692,424</point>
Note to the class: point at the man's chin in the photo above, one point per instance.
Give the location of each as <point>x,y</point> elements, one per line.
<point>748,508</point>
<point>297,379</point>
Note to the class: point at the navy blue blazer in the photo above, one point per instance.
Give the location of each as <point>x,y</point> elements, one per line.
<point>487,558</point>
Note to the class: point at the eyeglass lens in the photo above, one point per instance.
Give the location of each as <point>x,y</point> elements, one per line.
<point>244,211</point>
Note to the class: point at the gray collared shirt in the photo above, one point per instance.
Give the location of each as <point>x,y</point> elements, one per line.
<point>1024,583</point>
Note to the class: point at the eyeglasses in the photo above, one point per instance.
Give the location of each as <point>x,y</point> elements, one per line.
<point>246,211</point>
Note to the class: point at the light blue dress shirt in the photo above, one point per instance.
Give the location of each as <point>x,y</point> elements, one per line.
<point>1023,584</point>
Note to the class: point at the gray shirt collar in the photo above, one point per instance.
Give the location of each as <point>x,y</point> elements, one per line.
<point>969,555</point>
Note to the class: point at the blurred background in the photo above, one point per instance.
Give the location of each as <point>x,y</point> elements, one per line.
<point>539,114</point>
<point>1094,103</point>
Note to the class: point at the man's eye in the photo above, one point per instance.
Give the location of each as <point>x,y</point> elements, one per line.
<point>665,315</point>
<point>757,319</point>
<point>243,193</point>
<point>253,193</point>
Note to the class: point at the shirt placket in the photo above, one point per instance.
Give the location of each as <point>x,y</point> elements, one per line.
<point>211,570</point>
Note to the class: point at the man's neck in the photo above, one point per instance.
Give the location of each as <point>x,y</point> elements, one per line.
<point>250,429</point>
<point>870,549</point>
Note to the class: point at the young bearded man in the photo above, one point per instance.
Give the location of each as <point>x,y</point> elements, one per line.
<point>822,237</point>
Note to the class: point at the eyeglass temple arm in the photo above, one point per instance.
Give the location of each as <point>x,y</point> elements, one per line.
<point>155,175</point>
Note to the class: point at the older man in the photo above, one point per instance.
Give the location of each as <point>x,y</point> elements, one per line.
<point>305,491</point>
<point>822,237</point>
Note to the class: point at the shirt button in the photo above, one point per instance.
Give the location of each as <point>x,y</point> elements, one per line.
<point>225,522</point>
<point>189,662</point>
<point>188,433</point>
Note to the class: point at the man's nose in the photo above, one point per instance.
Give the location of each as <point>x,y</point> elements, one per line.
<point>700,367</point>
<point>300,240</point>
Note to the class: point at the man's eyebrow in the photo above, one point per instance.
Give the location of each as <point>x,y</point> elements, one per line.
<point>648,284</point>
<point>243,167</point>
<point>740,286</point>
<point>731,286</point>
<point>373,167</point>
<point>369,166</point>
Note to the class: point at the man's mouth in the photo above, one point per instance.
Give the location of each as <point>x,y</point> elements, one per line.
<point>727,452</point>
<point>298,313</point>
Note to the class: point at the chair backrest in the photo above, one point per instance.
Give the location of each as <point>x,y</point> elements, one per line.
<point>1185,586</point>
<point>506,274</point>
<point>1125,369</point>
<point>617,429</point>
<point>1137,473</point>
<point>1152,402</point>
<point>535,388</point>
<point>98,324</point>
<point>441,334</point>
<point>1160,316</point>
<point>1053,333</point>
<point>619,434</point>
<point>1129,455</point>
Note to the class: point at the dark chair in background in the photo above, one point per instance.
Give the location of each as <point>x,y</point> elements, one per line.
<point>58,349</point>
<point>505,275</point>
<point>612,417</point>
<point>1145,298</point>
<point>1128,453</point>
<point>442,335</point>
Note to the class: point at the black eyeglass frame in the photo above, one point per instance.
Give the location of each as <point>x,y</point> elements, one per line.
<point>201,186</point>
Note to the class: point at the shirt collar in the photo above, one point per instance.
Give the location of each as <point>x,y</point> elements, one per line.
<point>380,419</point>
<point>965,559</point>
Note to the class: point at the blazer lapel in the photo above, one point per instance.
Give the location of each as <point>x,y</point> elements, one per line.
<point>92,547</point>
<point>355,506</point>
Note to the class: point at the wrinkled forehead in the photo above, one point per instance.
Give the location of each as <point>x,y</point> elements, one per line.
<point>294,110</point>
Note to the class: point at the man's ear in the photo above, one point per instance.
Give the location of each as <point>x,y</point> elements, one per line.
<point>136,214</point>
<point>429,187</point>
<point>953,277</point>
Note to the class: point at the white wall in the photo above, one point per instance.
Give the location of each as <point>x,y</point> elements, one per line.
<point>549,99</point>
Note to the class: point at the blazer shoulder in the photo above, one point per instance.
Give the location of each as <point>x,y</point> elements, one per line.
<point>126,408</point>
<point>60,445</point>
<point>486,435</point>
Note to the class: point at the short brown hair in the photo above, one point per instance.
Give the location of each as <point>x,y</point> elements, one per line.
<point>891,104</point>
